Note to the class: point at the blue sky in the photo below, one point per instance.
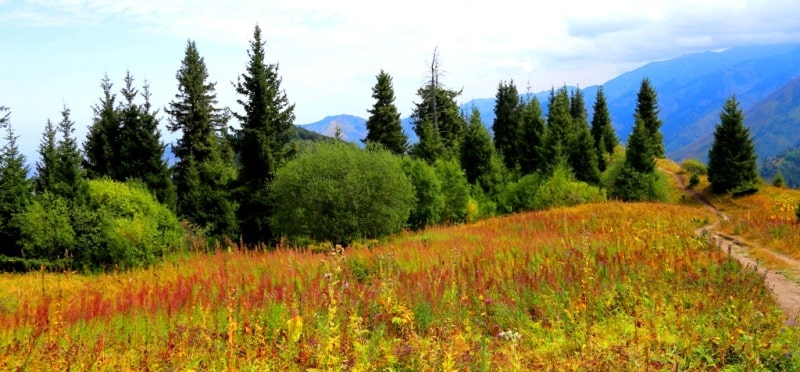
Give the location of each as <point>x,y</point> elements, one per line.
<point>54,52</point>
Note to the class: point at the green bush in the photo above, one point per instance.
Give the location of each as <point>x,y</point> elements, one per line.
<point>523,192</point>
<point>631,185</point>
<point>561,190</point>
<point>694,166</point>
<point>46,228</point>
<point>339,193</point>
<point>694,180</point>
<point>778,181</point>
<point>429,201</point>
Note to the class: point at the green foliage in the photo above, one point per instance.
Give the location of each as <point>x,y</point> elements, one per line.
<point>455,189</point>
<point>137,230</point>
<point>647,112</point>
<point>437,119</point>
<point>605,139</point>
<point>383,125</point>
<point>429,201</point>
<point>778,181</point>
<point>101,147</point>
<point>339,193</point>
<point>583,157</point>
<point>266,127</point>
<point>203,174</point>
<point>694,180</point>
<point>533,158</point>
<point>560,189</point>
<point>632,185</point>
<point>732,158</point>
<point>507,126</point>
<point>694,166</point>
<point>45,167</point>
<point>560,127</point>
<point>15,188</point>
<point>45,227</point>
<point>476,149</point>
<point>639,155</point>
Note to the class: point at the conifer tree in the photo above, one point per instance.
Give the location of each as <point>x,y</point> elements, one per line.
<point>430,146</point>
<point>559,127</point>
<point>205,169</point>
<point>15,188</point>
<point>637,180</point>
<point>640,155</point>
<point>507,124</point>
<point>68,175</point>
<point>45,167</point>
<point>266,130</point>
<point>477,148</point>
<point>439,111</point>
<point>140,147</point>
<point>647,111</point>
<point>581,155</point>
<point>605,139</point>
<point>101,146</point>
<point>383,125</point>
<point>732,158</point>
<point>532,152</point>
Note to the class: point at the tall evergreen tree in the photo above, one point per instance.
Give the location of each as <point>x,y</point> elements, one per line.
<point>605,139</point>
<point>205,167</point>
<point>559,127</point>
<point>69,176</point>
<point>640,155</point>
<point>581,155</point>
<point>477,148</point>
<point>732,158</point>
<point>15,188</point>
<point>383,125</point>
<point>101,146</point>
<point>45,167</point>
<point>437,112</point>
<point>507,125</point>
<point>647,111</point>
<point>140,146</point>
<point>532,152</point>
<point>266,129</point>
<point>637,180</point>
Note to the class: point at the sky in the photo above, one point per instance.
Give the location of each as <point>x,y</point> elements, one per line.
<point>53,53</point>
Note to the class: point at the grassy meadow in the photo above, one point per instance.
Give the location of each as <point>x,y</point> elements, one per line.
<point>594,287</point>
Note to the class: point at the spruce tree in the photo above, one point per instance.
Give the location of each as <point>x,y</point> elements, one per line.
<point>140,147</point>
<point>477,149</point>
<point>15,188</point>
<point>732,158</point>
<point>507,124</point>
<point>383,125</point>
<point>430,146</point>
<point>205,169</point>
<point>581,156</point>
<point>637,180</point>
<point>647,112</point>
<point>559,127</point>
<point>68,174</point>
<point>266,128</point>
<point>532,152</point>
<point>605,139</point>
<point>101,146</point>
<point>640,155</point>
<point>45,167</point>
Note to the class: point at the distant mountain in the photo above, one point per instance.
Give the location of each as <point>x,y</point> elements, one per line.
<point>354,128</point>
<point>691,91</point>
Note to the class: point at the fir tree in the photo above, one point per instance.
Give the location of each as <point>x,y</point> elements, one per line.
<point>602,132</point>
<point>532,152</point>
<point>477,149</point>
<point>647,112</point>
<point>69,176</point>
<point>101,146</point>
<point>140,146</point>
<point>559,127</point>
<point>266,129</point>
<point>507,124</point>
<point>430,146</point>
<point>582,156</point>
<point>45,167</point>
<point>15,188</point>
<point>383,125</point>
<point>205,167</point>
<point>640,155</point>
<point>732,158</point>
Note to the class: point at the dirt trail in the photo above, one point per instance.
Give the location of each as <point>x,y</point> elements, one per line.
<point>785,292</point>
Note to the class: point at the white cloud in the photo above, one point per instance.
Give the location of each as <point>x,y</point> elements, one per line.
<point>330,51</point>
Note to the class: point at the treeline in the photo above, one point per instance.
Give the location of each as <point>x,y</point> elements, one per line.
<point>115,204</point>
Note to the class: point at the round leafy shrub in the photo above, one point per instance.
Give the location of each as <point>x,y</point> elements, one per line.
<point>339,193</point>
<point>429,201</point>
<point>694,166</point>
